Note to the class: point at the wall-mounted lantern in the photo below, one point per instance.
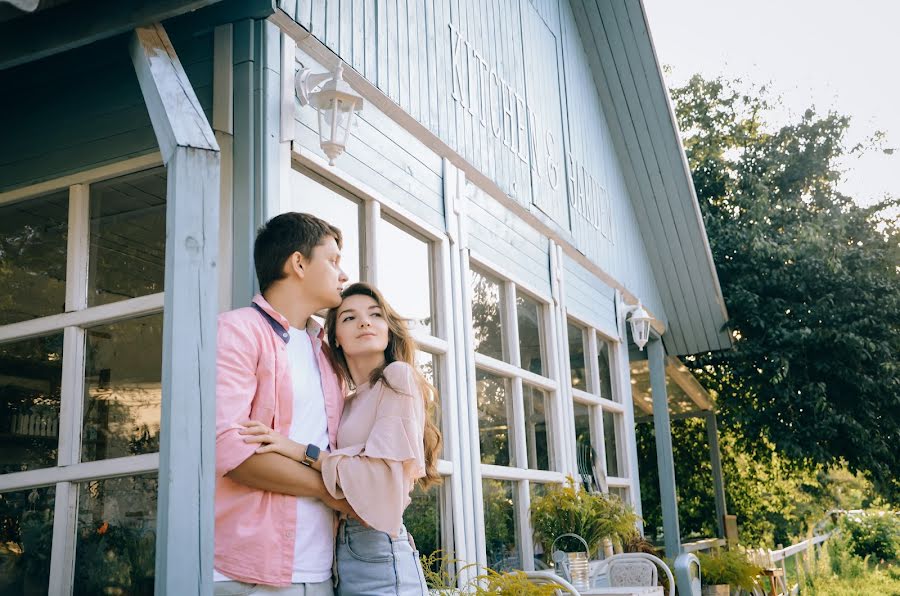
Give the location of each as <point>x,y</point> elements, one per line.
<point>640,324</point>
<point>336,103</point>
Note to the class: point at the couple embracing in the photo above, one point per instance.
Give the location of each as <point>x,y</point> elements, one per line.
<point>321,433</point>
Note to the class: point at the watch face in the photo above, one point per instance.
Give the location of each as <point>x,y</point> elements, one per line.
<point>312,452</point>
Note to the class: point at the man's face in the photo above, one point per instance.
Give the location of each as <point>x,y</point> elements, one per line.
<point>323,278</point>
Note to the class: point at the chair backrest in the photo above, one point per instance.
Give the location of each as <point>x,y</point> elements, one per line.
<point>547,578</point>
<point>641,567</point>
<point>688,574</point>
<point>631,572</point>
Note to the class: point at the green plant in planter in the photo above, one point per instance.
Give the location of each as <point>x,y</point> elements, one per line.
<point>730,567</point>
<point>443,582</point>
<point>566,509</point>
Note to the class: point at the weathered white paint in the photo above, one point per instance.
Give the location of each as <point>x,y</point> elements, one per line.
<point>184,555</point>
<point>95,470</point>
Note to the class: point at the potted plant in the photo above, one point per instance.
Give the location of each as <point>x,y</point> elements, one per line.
<point>567,509</point>
<point>721,570</point>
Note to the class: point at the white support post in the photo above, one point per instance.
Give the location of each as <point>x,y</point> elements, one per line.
<point>373,223</point>
<point>184,555</point>
<point>664,459</point>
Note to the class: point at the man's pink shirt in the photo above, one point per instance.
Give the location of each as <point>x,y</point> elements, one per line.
<point>255,528</point>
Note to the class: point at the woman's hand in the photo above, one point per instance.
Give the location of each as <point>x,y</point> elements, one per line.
<point>271,441</point>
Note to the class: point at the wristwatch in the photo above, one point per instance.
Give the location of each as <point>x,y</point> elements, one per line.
<point>311,456</point>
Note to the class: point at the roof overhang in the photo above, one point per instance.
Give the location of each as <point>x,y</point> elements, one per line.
<point>35,29</point>
<point>633,93</point>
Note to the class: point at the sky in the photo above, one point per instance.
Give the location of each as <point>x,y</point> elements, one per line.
<point>825,54</point>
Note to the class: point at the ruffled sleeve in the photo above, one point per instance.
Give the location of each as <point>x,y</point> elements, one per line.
<point>377,477</point>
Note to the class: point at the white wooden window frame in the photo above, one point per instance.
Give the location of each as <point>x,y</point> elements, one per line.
<point>599,405</point>
<point>521,477</point>
<point>376,207</point>
<point>77,318</point>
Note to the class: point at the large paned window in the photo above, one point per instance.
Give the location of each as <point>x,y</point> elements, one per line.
<point>599,414</point>
<point>401,260</point>
<point>82,272</point>
<point>517,419</point>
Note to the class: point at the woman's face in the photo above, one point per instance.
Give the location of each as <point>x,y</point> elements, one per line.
<point>360,327</point>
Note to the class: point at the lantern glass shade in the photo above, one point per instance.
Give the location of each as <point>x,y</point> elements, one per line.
<point>640,327</point>
<point>336,109</point>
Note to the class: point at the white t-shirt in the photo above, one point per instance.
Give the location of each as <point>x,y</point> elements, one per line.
<point>314,533</point>
<point>314,538</point>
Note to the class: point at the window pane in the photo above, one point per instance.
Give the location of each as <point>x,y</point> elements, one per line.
<point>584,446</point>
<point>116,536</point>
<point>424,519</point>
<point>528,313</point>
<point>610,434</point>
<point>426,363</point>
<point>500,513</point>
<point>128,237</point>
<point>620,492</point>
<point>603,366</point>
<point>26,534</point>
<point>486,315</point>
<point>30,377</point>
<point>123,366</point>
<point>404,275</point>
<point>33,257</point>
<point>319,199</point>
<point>576,357</point>
<point>537,440</point>
<point>494,419</point>
<point>542,560</point>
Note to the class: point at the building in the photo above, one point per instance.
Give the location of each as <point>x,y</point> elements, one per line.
<point>513,183</point>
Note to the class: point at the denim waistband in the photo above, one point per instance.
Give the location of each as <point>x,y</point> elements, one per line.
<point>353,526</point>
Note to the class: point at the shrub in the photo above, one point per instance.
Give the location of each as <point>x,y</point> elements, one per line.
<point>728,567</point>
<point>875,534</point>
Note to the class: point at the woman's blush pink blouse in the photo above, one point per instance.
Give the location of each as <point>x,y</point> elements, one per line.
<point>380,452</point>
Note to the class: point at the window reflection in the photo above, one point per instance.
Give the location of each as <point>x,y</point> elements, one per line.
<point>584,446</point>
<point>33,236</point>
<point>576,356</point>
<point>26,536</point>
<point>603,352</point>
<point>528,313</point>
<point>537,438</point>
<point>317,197</point>
<point>500,512</point>
<point>116,536</point>
<point>423,521</point>
<point>123,366</point>
<point>128,237</point>
<point>405,276</point>
<point>426,363</point>
<point>486,315</point>
<point>610,440</point>
<point>494,419</point>
<point>30,378</point>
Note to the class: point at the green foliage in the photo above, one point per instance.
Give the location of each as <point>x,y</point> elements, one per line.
<point>442,580</point>
<point>876,534</point>
<point>730,567</point>
<point>566,509</point>
<point>836,571</point>
<point>810,279</point>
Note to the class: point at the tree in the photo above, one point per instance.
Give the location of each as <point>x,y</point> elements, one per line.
<point>810,279</point>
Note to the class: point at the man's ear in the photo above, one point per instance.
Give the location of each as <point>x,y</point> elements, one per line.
<point>295,264</point>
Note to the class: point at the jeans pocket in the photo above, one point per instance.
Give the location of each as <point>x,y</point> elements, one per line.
<point>232,588</point>
<point>370,546</point>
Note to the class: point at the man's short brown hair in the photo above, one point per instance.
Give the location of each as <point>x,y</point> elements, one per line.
<point>282,236</point>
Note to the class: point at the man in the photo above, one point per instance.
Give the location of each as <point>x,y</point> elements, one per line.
<point>274,518</point>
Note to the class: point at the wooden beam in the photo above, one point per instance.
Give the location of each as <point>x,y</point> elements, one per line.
<point>682,377</point>
<point>184,555</point>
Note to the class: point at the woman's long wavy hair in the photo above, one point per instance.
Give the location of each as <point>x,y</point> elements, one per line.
<point>401,347</point>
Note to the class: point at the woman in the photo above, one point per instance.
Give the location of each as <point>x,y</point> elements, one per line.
<point>385,444</point>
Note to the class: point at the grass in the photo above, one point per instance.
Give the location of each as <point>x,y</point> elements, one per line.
<point>838,572</point>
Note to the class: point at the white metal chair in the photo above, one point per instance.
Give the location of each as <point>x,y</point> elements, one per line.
<point>548,578</point>
<point>634,570</point>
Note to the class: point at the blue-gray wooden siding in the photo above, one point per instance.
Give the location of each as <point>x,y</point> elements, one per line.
<point>407,49</point>
<point>83,108</point>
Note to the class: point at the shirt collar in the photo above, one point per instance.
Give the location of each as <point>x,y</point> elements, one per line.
<point>280,324</point>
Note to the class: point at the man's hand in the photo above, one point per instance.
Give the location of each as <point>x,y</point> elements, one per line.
<point>343,506</point>
<point>271,441</point>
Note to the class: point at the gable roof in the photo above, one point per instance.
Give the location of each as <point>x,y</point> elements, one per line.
<point>630,84</point>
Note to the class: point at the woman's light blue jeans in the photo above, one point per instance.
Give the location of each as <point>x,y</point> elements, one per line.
<point>371,563</point>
